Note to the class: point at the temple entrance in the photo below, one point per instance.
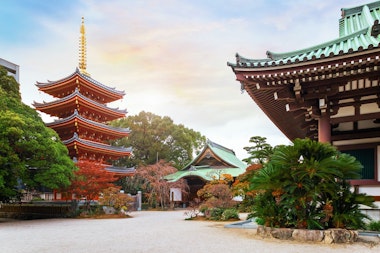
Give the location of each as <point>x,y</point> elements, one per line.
<point>195,183</point>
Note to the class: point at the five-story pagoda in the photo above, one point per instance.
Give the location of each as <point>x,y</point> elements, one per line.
<point>81,108</point>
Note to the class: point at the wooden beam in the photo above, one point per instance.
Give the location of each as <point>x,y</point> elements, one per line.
<point>362,134</point>
<point>367,116</point>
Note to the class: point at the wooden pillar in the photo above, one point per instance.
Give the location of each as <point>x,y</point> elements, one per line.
<point>324,128</point>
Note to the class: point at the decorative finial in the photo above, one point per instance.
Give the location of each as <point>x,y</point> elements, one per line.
<point>83,50</point>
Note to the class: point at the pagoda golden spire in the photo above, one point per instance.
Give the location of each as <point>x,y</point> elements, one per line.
<point>83,50</point>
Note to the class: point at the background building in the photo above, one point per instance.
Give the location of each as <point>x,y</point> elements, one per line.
<point>13,69</point>
<point>328,92</point>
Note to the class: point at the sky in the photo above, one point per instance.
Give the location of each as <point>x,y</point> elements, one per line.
<point>169,56</point>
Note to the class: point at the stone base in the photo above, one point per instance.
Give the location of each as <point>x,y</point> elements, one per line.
<point>306,235</point>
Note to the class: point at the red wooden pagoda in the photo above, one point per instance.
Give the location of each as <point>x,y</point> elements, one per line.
<point>329,92</point>
<point>81,108</point>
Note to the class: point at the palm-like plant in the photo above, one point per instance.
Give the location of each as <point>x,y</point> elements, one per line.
<point>304,185</point>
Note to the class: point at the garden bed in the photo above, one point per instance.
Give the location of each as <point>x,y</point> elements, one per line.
<point>306,235</point>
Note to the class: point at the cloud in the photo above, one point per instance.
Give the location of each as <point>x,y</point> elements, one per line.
<point>169,56</point>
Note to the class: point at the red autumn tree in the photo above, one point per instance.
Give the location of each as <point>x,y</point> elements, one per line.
<point>90,179</point>
<point>156,189</point>
<point>242,187</point>
<point>217,193</point>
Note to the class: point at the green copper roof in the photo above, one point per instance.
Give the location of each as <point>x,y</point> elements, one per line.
<point>358,29</point>
<point>227,155</point>
<point>358,18</point>
<point>205,173</point>
<point>235,166</point>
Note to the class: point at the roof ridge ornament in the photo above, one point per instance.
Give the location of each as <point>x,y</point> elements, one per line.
<point>83,50</point>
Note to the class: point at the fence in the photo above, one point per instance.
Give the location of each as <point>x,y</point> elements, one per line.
<point>33,211</point>
<point>136,204</point>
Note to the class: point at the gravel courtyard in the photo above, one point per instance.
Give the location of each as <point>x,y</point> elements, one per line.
<point>147,231</point>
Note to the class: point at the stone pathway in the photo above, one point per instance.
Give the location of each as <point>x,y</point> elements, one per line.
<point>148,231</point>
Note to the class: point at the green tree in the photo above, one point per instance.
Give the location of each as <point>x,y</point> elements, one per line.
<point>260,152</point>
<point>305,185</point>
<point>31,155</point>
<point>154,138</point>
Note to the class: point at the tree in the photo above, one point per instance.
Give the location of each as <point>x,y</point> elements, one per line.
<point>155,188</point>
<point>114,198</point>
<point>154,138</point>
<point>91,179</point>
<point>242,187</point>
<point>305,185</point>
<point>31,155</point>
<point>260,152</point>
<point>216,194</point>
<point>217,199</point>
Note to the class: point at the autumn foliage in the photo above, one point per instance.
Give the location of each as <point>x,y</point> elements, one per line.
<point>217,193</point>
<point>90,179</point>
<point>156,189</point>
<point>114,198</point>
<point>242,186</point>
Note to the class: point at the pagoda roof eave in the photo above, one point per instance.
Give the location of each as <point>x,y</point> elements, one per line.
<point>42,86</point>
<point>76,116</point>
<point>121,170</point>
<point>107,149</point>
<point>58,103</point>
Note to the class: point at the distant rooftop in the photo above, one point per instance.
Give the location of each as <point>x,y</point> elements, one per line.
<point>13,69</point>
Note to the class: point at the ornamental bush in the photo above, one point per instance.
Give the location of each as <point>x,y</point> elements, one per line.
<point>216,213</point>
<point>230,214</point>
<point>216,198</point>
<point>374,226</point>
<point>305,185</point>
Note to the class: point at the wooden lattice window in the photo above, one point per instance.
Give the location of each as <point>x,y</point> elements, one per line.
<point>367,158</point>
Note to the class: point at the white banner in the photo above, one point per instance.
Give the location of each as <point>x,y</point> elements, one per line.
<point>175,194</point>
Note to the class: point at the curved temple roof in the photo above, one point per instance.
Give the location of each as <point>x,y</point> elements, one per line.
<point>76,115</point>
<point>51,87</point>
<point>121,170</point>
<point>234,166</point>
<point>77,120</point>
<point>288,87</point>
<point>356,29</point>
<point>58,104</point>
<point>225,154</point>
<point>91,145</point>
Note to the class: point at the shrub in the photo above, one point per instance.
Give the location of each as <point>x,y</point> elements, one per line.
<point>259,221</point>
<point>230,214</point>
<point>144,206</point>
<point>114,198</point>
<point>217,198</point>
<point>374,225</point>
<point>305,185</point>
<point>203,208</point>
<point>217,195</point>
<point>216,213</point>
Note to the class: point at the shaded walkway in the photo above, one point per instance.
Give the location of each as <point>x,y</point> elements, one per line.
<point>148,231</point>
